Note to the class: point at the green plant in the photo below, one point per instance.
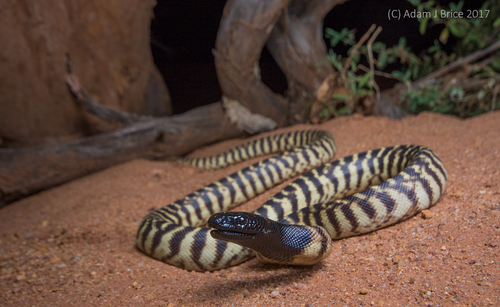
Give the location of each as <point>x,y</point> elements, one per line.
<point>475,29</point>
<point>471,90</point>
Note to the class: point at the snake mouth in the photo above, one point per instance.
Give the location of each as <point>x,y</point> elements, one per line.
<point>228,234</point>
<point>231,231</point>
<point>235,226</point>
<point>231,235</point>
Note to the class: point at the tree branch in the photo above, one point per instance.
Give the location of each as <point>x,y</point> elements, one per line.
<point>30,170</point>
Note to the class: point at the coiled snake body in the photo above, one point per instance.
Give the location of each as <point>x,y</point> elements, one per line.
<point>347,197</point>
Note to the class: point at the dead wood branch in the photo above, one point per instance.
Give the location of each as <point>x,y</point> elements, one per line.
<point>387,104</point>
<point>432,77</point>
<point>27,171</point>
<point>296,43</point>
<point>96,108</point>
<point>244,29</point>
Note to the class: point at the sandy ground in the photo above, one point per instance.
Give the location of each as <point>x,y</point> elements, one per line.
<point>74,244</point>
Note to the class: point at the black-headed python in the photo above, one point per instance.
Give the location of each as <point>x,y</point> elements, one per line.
<point>350,196</point>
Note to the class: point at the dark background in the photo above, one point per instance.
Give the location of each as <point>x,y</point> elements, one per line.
<point>183,35</point>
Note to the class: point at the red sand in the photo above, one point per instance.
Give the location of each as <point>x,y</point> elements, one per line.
<point>74,244</point>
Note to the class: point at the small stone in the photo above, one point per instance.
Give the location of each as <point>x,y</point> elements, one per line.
<point>302,286</point>
<point>29,235</point>
<point>156,173</point>
<point>363,291</point>
<point>412,281</point>
<point>456,194</point>
<point>136,285</point>
<point>395,259</point>
<point>427,214</point>
<point>443,248</point>
<point>275,294</point>
<point>493,244</point>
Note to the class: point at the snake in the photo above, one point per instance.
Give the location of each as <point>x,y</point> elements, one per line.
<point>347,197</point>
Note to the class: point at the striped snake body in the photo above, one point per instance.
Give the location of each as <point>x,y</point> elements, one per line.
<point>347,197</point>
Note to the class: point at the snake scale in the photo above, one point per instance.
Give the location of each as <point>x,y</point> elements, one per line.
<point>347,197</point>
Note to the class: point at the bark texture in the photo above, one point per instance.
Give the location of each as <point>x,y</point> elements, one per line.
<point>108,43</point>
<point>293,33</point>
<point>297,45</point>
<point>244,29</point>
<point>29,170</point>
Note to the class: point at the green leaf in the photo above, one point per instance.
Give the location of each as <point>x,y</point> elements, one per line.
<point>457,27</point>
<point>457,7</point>
<point>414,2</point>
<point>496,23</point>
<point>435,48</point>
<point>354,65</point>
<point>363,92</point>
<point>423,25</point>
<point>334,40</point>
<point>324,113</point>
<point>344,111</point>
<point>342,97</point>
<point>443,38</point>
<point>397,74</point>
<point>402,42</point>
<point>378,47</point>
<point>364,80</point>
<point>330,32</point>
<point>356,58</point>
<point>415,72</point>
<point>382,60</point>
<point>407,75</point>
<point>495,64</point>
<point>351,75</point>
<point>435,15</point>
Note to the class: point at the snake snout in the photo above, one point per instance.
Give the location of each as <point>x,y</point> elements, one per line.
<point>237,222</point>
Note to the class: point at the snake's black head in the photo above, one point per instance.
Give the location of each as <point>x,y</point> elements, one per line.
<point>272,241</point>
<point>238,226</point>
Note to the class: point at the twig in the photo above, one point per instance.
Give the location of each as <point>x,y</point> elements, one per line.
<point>456,64</point>
<point>354,50</point>
<point>494,98</point>
<point>379,73</point>
<point>93,106</point>
<point>370,58</point>
<point>329,107</point>
<point>485,62</point>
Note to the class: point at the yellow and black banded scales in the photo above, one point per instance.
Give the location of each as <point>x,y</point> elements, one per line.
<point>350,196</point>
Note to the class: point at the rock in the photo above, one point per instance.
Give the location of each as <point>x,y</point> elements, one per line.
<point>427,214</point>
<point>108,44</point>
